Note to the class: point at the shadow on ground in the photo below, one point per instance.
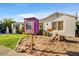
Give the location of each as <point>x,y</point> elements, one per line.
<point>48,51</point>
<point>71,53</point>
<point>70,41</point>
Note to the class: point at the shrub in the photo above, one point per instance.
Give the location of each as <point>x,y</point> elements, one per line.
<point>19,31</point>
<point>40,32</point>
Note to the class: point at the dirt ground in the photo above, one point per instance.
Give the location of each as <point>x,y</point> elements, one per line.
<point>4,51</point>
<point>43,46</point>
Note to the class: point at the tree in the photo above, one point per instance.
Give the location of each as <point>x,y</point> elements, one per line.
<point>77,25</point>
<point>77,28</point>
<point>2,28</point>
<point>8,22</point>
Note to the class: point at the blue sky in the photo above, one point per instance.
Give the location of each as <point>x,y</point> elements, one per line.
<point>18,11</point>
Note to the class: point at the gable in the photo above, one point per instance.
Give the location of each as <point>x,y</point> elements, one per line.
<point>55,16</point>
<point>52,16</point>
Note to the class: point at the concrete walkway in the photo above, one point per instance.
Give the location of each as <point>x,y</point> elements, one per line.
<point>4,51</point>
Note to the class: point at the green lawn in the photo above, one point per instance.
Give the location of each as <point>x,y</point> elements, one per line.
<point>10,40</point>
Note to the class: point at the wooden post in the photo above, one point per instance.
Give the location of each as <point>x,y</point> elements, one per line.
<point>31,43</point>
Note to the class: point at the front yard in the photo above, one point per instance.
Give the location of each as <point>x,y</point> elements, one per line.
<point>43,46</point>
<point>10,40</point>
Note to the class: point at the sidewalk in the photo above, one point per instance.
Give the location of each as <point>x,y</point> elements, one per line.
<point>4,51</point>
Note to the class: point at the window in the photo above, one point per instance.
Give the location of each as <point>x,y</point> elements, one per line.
<point>60,25</point>
<point>29,25</point>
<point>54,25</point>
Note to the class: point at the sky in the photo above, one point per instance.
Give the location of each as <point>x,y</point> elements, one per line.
<point>19,11</point>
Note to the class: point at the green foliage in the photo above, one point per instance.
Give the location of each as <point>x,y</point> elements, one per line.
<point>40,32</point>
<point>10,40</point>
<point>77,25</point>
<point>8,21</point>
<point>20,31</point>
<point>2,28</point>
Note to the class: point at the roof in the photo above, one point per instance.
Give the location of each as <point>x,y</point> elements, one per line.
<point>57,13</point>
<point>30,18</point>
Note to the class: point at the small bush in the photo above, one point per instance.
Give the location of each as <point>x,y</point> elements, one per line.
<point>20,31</point>
<point>40,32</point>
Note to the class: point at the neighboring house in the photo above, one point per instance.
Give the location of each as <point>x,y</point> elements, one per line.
<point>64,24</point>
<point>17,27</point>
<point>31,25</point>
<point>20,25</point>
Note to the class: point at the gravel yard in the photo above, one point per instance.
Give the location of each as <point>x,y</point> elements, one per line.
<point>43,46</point>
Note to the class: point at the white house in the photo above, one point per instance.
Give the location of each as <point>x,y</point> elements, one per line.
<point>63,24</point>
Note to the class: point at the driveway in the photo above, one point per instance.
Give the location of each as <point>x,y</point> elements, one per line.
<point>4,51</point>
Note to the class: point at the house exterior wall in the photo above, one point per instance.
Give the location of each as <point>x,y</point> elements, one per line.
<point>36,26</point>
<point>45,27</point>
<point>68,25</point>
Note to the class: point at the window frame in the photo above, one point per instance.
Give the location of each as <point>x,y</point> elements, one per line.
<point>60,27</point>
<point>30,25</point>
<point>57,25</point>
<point>54,25</point>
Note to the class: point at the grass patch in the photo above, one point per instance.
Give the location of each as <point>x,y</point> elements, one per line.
<point>10,40</point>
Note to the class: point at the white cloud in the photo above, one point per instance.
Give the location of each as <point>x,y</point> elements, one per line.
<point>26,15</point>
<point>37,15</point>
